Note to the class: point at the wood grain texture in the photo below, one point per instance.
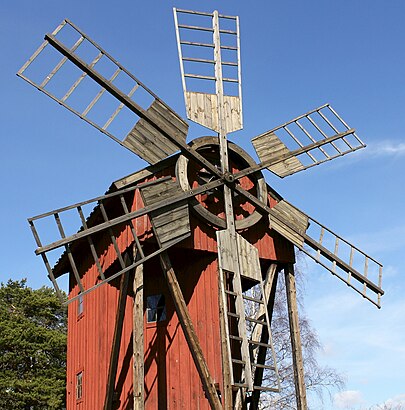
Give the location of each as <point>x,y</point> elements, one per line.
<point>202,108</point>
<point>169,222</point>
<point>148,142</point>
<point>269,147</point>
<point>300,389</point>
<point>138,340</point>
<point>295,217</point>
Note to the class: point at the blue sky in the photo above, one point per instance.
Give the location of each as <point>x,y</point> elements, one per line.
<point>295,56</point>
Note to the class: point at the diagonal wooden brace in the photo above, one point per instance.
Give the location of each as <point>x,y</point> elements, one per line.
<point>115,349</point>
<point>189,332</point>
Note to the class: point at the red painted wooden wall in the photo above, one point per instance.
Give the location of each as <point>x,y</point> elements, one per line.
<point>171,380</point>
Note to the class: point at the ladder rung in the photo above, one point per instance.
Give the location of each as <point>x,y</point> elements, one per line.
<point>253,299</point>
<point>196,28</point>
<point>236,338</point>
<point>263,366</point>
<point>227,31</point>
<point>229,63</point>
<point>253,342</point>
<point>264,388</point>
<point>230,292</point>
<point>202,13</point>
<point>233,315</point>
<point>193,43</point>
<point>260,322</point>
<point>199,13</point>
<point>229,48</point>
<point>200,77</point>
<point>198,60</point>
<point>237,385</point>
<point>237,361</point>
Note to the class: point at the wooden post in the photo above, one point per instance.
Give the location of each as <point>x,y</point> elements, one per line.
<point>138,340</point>
<point>189,332</point>
<point>115,349</point>
<point>300,390</point>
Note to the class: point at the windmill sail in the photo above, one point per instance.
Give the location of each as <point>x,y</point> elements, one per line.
<point>308,140</point>
<point>109,224</point>
<point>73,70</point>
<point>199,63</point>
<point>351,265</point>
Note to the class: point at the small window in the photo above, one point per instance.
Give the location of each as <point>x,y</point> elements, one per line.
<point>80,305</point>
<point>79,385</point>
<point>155,308</point>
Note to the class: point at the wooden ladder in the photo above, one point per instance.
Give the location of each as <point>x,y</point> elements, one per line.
<point>248,332</point>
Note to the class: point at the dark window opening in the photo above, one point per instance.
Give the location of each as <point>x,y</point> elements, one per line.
<point>79,385</point>
<point>155,308</point>
<point>80,305</point>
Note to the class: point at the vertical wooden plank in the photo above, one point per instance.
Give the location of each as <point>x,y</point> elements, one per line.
<point>300,390</point>
<point>138,340</point>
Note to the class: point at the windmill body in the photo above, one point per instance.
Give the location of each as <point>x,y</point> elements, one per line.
<point>170,374</point>
<point>173,272</point>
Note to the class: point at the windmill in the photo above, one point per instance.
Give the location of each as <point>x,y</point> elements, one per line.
<point>211,192</point>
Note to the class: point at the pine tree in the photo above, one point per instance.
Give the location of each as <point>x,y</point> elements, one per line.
<point>33,328</point>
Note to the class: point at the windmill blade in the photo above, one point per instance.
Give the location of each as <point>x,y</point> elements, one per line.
<point>351,265</point>
<point>117,103</point>
<point>198,63</point>
<point>347,262</point>
<point>308,140</point>
<point>110,222</point>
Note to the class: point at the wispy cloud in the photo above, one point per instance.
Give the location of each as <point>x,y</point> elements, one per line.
<point>390,239</point>
<point>385,148</point>
<point>375,337</point>
<point>347,399</point>
<point>353,399</point>
<point>394,401</point>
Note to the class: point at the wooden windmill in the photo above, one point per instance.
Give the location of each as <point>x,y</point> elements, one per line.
<point>220,234</point>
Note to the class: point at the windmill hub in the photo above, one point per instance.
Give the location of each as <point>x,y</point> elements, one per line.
<point>228,177</point>
<point>210,206</point>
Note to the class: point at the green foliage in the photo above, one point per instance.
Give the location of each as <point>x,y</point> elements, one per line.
<point>33,327</point>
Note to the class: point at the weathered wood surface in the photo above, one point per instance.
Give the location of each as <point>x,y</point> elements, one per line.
<point>228,260</point>
<point>270,286</point>
<point>249,264</point>
<point>138,340</point>
<point>169,222</point>
<point>297,220</point>
<point>148,142</point>
<point>202,108</point>
<point>295,336</point>
<point>246,256</point>
<point>269,147</point>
